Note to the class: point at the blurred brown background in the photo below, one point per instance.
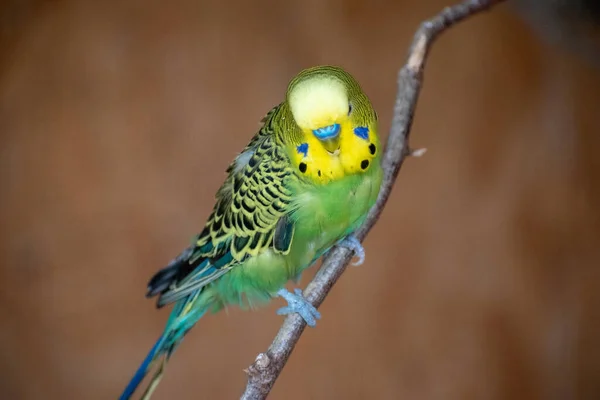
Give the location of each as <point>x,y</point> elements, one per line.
<point>118,119</point>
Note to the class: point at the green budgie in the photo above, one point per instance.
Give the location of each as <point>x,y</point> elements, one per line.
<point>304,183</point>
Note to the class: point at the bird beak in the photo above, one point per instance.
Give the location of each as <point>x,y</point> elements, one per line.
<point>332,145</point>
<point>329,136</point>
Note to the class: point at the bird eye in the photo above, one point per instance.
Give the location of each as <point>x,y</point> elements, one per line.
<point>349,108</point>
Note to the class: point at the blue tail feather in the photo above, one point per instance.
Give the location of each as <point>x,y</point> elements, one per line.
<point>181,320</point>
<point>142,371</point>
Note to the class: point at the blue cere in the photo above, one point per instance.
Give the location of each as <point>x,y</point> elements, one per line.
<point>327,132</point>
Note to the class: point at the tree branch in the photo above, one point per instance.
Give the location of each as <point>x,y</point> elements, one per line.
<point>267,367</point>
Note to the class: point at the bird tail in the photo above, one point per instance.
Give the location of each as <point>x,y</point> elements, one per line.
<point>187,311</point>
<point>140,374</point>
<point>180,322</point>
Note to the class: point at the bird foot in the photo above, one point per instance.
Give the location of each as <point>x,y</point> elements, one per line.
<point>353,244</point>
<point>298,304</point>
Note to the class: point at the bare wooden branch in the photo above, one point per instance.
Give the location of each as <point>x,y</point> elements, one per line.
<point>263,373</point>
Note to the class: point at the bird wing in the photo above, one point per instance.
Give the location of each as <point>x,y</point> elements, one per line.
<point>251,214</point>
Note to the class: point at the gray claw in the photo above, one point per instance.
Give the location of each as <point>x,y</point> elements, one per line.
<point>298,304</point>
<point>353,244</point>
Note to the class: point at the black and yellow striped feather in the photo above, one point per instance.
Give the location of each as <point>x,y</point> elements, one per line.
<point>252,212</point>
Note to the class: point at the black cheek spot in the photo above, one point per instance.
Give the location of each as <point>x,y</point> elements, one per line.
<point>319,172</point>
<point>372,149</point>
<point>302,167</point>
<point>364,164</point>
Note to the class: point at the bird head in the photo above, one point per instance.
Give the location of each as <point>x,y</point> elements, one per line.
<point>336,120</point>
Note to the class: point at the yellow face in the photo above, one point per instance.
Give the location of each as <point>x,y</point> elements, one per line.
<point>339,130</point>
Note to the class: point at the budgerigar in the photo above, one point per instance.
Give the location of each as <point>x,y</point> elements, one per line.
<point>304,183</point>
